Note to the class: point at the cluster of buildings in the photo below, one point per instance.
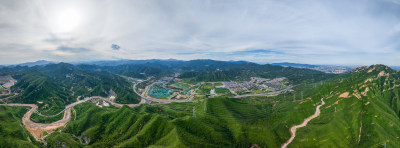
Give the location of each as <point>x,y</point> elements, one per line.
<point>274,83</point>
<point>167,78</point>
<point>334,69</point>
<point>7,81</point>
<point>256,83</point>
<point>182,94</point>
<point>230,84</point>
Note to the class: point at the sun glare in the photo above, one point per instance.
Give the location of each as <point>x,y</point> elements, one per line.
<point>66,21</point>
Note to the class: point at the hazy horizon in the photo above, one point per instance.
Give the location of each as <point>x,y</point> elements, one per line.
<point>119,60</point>
<point>311,32</point>
<point>200,73</point>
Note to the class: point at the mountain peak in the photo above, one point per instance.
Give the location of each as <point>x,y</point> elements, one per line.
<point>36,63</point>
<point>380,68</point>
<point>374,68</point>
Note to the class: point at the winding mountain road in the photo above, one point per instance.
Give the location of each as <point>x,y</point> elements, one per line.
<point>293,129</point>
<point>37,129</point>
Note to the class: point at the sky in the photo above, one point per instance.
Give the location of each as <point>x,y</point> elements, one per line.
<point>337,32</point>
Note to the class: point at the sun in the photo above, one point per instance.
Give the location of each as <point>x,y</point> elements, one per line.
<point>66,21</point>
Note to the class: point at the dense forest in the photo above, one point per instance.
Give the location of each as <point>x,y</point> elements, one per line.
<point>53,86</point>
<point>56,85</point>
<point>295,75</point>
<point>362,109</point>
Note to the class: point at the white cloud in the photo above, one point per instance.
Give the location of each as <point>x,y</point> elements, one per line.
<point>310,31</point>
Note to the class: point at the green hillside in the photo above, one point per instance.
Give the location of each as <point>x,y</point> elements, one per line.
<point>56,85</point>
<point>34,87</point>
<point>372,107</point>
<point>362,110</point>
<point>224,122</point>
<point>295,75</point>
<point>12,133</point>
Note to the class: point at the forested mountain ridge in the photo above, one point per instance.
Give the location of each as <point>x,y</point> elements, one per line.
<point>52,86</point>
<point>361,110</point>
<point>55,85</point>
<point>295,75</point>
<point>162,68</point>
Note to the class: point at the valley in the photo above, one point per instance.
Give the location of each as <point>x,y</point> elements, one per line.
<point>170,109</point>
<point>37,129</point>
<point>176,87</point>
<point>199,74</point>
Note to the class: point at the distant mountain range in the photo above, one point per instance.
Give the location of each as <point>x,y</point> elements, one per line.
<point>324,68</point>
<point>360,108</point>
<point>395,67</point>
<point>31,64</point>
<point>59,84</point>
<point>126,62</point>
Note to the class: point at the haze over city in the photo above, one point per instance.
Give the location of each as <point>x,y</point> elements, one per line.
<point>313,32</point>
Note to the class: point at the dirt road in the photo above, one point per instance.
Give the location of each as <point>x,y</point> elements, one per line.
<point>37,129</point>
<point>294,128</point>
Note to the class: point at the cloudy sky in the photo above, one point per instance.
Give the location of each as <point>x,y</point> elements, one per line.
<point>308,31</point>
